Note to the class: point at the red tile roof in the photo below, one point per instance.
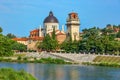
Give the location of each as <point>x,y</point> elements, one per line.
<point>60,33</point>
<point>20,39</point>
<point>36,30</point>
<point>26,39</point>
<point>36,38</point>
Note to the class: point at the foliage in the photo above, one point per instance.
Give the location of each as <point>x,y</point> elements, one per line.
<point>98,42</point>
<point>46,44</point>
<point>49,43</point>
<point>19,58</point>
<point>118,34</point>
<point>10,35</point>
<point>94,40</point>
<point>25,58</point>
<point>10,74</point>
<point>5,46</point>
<point>91,41</point>
<point>69,46</point>
<point>18,46</point>
<point>1,30</point>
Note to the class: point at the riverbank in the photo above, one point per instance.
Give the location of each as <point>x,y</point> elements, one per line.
<point>105,61</point>
<point>20,59</point>
<point>56,58</point>
<point>102,64</point>
<point>11,74</point>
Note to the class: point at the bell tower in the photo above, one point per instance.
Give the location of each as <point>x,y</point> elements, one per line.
<point>73,25</point>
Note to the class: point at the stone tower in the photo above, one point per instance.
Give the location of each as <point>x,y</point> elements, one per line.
<point>73,25</point>
<point>50,22</point>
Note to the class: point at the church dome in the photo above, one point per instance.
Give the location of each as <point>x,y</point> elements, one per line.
<point>51,18</point>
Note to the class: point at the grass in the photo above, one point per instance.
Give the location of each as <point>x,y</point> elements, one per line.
<point>10,74</point>
<point>111,61</point>
<point>107,59</point>
<point>20,54</point>
<point>42,60</point>
<point>52,61</point>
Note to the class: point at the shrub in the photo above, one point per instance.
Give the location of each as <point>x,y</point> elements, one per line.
<point>25,58</point>
<point>19,58</point>
<point>10,74</point>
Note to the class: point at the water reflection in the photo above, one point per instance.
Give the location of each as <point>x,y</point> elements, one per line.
<point>66,72</point>
<point>53,72</point>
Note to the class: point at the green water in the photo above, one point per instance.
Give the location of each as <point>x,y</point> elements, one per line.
<point>66,72</point>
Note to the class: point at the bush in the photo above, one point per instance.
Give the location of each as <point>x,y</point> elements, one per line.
<point>25,58</point>
<point>19,58</point>
<point>35,58</point>
<point>10,74</point>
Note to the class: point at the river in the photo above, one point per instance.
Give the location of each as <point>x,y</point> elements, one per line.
<point>66,72</point>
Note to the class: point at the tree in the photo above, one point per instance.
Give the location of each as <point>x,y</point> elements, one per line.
<point>118,34</point>
<point>53,34</point>
<point>49,43</point>
<point>5,46</point>
<point>105,41</point>
<point>10,35</point>
<point>69,46</point>
<point>108,25</point>
<point>90,40</point>
<point>46,44</point>
<point>1,30</point>
<point>18,46</point>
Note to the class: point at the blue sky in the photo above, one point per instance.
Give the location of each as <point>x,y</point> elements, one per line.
<point>21,16</point>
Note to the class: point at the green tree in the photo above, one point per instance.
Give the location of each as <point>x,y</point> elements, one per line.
<point>118,34</point>
<point>54,42</point>
<point>105,41</point>
<point>90,40</point>
<point>46,43</point>
<point>69,46</point>
<point>18,46</point>
<point>53,34</point>
<point>49,43</point>
<point>10,35</point>
<point>1,30</point>
<point>5,46</point>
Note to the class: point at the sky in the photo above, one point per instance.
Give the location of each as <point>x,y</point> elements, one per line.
<point>19,17</point>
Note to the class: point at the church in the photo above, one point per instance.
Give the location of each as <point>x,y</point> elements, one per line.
<point>50,23</point>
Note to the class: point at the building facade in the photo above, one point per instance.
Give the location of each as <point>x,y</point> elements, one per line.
<point>50,23</point>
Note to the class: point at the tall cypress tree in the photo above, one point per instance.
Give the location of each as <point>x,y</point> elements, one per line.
<point>54,42</point>
<point>53,34</point>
